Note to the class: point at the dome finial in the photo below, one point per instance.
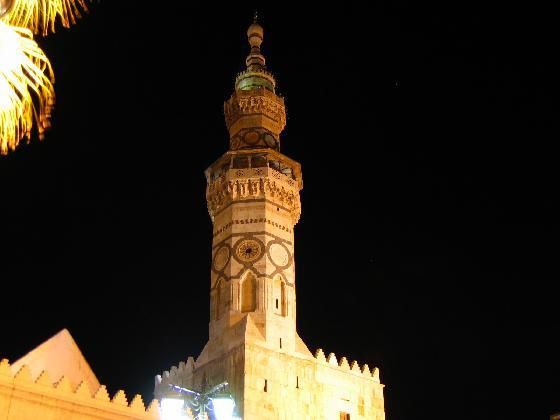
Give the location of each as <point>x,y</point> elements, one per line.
<point>256,74</point>
<point>255,35</point>
<point>256,16</point>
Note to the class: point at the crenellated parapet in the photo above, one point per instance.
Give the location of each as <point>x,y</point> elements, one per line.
<point>343,366</point>
<point>181,375</point>
<point>58,397</point>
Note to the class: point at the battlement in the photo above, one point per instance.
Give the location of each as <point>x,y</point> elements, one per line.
<point>59,395</point>
<point>343,365</point>
<point>177,375</point>
<point>181,374</point>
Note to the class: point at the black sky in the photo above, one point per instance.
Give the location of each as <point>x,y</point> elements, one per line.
<point>428,240</point>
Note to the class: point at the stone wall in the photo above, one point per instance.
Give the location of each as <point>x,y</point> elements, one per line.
<point>24,397</point>
<point>275,385</point>
<point>285,386</point>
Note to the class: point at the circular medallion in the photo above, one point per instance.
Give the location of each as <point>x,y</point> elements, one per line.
<point>270,140</point>
<point>279,255</point>
<point>221,258</point>
<point>251,137</point>
<point>248,250</point>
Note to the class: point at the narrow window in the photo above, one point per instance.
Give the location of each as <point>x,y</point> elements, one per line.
<point>265,385</point>
<point>297,382</point>
<point>280,343</point>
<point>361,408</point>
<point>279,295</point>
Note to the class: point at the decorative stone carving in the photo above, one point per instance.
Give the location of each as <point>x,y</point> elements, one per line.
<point>223,192</point>
<point>248,250</point>
<point>279,255</point>
<point>255,102</point>
<point>254,138</point>
<point>221,258</point>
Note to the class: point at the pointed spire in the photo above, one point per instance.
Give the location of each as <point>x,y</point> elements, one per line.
<point>256,75</point>
<point>255,60</point>
<point>255,115</point>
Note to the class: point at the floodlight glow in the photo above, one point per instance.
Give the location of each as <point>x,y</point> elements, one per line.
<point>173,409</point>
<point>223,407</point>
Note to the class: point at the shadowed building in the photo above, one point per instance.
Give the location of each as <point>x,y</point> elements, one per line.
<point>254,203</point>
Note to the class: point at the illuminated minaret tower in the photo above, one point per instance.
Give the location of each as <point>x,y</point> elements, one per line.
<point>254,203</point>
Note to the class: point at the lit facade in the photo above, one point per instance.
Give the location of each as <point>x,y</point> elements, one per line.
<point>54,381</point>
<point>254,203</point>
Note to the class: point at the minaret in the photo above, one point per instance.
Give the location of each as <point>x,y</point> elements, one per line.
<point>253,201</point>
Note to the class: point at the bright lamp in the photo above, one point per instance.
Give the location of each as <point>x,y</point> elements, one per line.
<point>223,407</point>
<point>173,409</point>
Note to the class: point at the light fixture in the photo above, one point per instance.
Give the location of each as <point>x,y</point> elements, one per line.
<point>173,409</point>
<point>223,406</point>
<point>220,405</point>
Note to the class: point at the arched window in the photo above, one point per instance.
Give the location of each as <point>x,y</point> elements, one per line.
<point>249,293</point>
<point>279,296</point>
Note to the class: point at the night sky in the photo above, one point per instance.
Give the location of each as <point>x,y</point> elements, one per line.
<point>428,243</point>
